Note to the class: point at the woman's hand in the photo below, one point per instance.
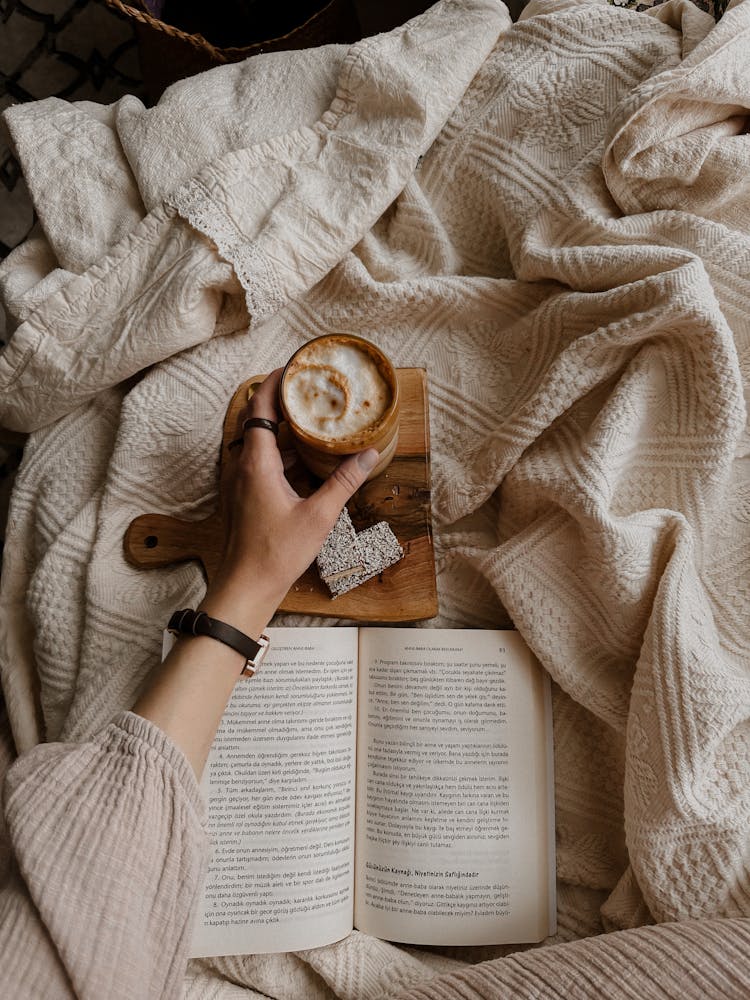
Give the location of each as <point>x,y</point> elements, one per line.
<point>271,534</point>
<point>271,537</point>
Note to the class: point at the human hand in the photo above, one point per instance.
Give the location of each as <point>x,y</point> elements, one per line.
<point>271,534</point>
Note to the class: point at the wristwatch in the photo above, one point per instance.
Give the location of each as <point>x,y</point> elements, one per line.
<point>189,622</point>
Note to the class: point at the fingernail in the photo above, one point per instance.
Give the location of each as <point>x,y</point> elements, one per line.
<point>367,460</point>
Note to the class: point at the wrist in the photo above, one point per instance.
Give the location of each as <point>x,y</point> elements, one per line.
<point>248,609</point>
<point>187,695</point>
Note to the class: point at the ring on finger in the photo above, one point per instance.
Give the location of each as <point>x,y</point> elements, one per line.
<point>269,425</point>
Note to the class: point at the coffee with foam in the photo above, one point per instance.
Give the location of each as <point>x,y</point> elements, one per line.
<point>334,389</point>
<point>339,394</point>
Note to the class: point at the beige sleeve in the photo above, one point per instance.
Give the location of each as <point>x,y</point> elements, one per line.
<point>107,849</point>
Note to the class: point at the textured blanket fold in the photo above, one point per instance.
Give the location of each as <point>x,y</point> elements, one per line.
<point>552,217</point>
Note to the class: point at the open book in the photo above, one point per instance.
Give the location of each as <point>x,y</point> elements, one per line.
<point>396,780</point>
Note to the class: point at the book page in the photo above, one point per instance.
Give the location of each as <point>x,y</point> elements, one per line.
<point>455,826</point>
<point>279,784</point>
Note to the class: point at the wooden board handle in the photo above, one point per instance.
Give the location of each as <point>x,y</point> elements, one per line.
<point>159,540</point>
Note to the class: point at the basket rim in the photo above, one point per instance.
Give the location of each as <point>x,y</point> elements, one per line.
<point>231,53</point>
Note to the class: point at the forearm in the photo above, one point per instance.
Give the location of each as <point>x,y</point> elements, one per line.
<point>271,536</point>
<point>189,692</point>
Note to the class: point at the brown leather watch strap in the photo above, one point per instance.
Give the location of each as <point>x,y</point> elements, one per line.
<point>189,622</point>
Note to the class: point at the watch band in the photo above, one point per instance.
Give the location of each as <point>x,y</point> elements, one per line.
<point>189,622</point>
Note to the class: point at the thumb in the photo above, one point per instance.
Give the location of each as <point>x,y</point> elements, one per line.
<point>330,498</point>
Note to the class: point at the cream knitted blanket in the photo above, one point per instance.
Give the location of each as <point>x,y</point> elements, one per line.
<point>554,218</point>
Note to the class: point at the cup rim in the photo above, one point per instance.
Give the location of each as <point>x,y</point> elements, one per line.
<point>360,439</point>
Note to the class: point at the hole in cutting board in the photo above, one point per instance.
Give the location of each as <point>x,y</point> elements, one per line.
<point>150,541</point>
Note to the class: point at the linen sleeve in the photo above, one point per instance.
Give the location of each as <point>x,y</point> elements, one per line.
<point>107,855</point>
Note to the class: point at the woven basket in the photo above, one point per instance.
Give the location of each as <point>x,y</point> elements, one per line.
<point>168,54</point>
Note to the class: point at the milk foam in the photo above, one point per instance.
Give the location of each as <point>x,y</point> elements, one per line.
<point>334,390</point>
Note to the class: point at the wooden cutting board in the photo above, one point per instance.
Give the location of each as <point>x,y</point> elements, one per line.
<point>400,495</point>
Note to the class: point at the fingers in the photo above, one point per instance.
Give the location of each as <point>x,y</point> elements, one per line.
<point>264,401</point>
<point>330,498</point>
<point>260,442</point>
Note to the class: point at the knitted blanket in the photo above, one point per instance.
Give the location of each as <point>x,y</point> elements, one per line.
<point>553,218</point>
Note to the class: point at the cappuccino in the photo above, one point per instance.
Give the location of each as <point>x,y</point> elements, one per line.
<point>334,389</point>
<point>339,395</point>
